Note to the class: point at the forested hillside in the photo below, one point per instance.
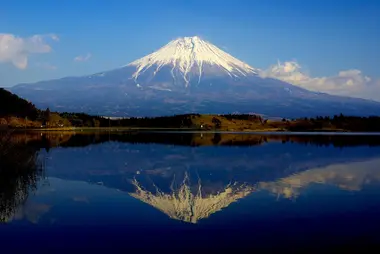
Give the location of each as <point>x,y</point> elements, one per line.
<point>12,105</point>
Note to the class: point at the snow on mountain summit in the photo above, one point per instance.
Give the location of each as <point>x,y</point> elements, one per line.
<point>191,55</point>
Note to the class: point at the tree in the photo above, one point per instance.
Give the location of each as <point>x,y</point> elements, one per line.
<point>96,123</point>
<point>55,120</point>
<point>88,123</point>
<point>47,117</point>
<point>77,122</point>
<point>66,122</point>
<point>217,122</point>
<point>15,122</point>
<point>3,122</point>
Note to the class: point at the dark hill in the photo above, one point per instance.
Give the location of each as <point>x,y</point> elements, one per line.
<point>12,105</point>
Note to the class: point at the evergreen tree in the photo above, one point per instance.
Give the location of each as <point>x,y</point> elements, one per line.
<point>47,117</point>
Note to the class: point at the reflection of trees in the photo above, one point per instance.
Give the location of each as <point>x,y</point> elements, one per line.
<point>217,138</point>
<point>82,139</point>
<point>185,205</point>
<point>220,139</point>
<point>20,169</point>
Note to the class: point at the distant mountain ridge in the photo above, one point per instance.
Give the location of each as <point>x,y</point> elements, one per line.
<point>188,75</point>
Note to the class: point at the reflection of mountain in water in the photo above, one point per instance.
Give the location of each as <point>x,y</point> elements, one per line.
<point>191,204</point>
<point>351,177</point>
<point>284,165</point>
<point>182,204</point>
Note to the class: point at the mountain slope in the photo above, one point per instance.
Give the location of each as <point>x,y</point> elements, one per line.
<point>185,76</point>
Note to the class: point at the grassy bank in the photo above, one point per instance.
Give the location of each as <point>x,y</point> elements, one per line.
<point>94,129</point>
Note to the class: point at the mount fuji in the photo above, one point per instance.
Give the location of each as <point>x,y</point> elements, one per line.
<point>188,75</point>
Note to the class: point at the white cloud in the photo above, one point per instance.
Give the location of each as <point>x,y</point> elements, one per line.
<point>348,82</point>
<point>16,50</point>
<point>82,58</point>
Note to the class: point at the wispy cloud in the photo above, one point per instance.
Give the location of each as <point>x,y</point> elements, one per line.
<point>83,58</point>
<point>46,66</point>
<point>54,37</point>
<point>16,50</point>
<point>348,82</point>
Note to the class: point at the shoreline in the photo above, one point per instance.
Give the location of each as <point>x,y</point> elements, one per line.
<point>190,130</point>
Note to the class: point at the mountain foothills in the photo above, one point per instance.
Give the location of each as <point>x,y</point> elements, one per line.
<point>188,75</point>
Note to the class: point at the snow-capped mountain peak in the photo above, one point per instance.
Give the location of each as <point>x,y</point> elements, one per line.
<point>191,55</point>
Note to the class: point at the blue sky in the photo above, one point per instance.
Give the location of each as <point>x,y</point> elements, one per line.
<point>324,36</point>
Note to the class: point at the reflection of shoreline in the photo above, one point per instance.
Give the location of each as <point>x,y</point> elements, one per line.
<point>183,205</point>
<point>83,139</point>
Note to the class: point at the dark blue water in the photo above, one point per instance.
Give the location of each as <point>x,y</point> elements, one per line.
<point>141,192</point>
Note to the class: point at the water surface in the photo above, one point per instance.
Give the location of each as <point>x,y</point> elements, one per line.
<point>183,191</point>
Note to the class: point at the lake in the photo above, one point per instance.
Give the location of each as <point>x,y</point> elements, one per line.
<point>172,192</point>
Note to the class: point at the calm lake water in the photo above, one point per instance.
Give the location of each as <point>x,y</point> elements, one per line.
<point>182,191</point>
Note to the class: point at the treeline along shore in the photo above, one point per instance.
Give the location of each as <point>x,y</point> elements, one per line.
<point>17,113</point>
